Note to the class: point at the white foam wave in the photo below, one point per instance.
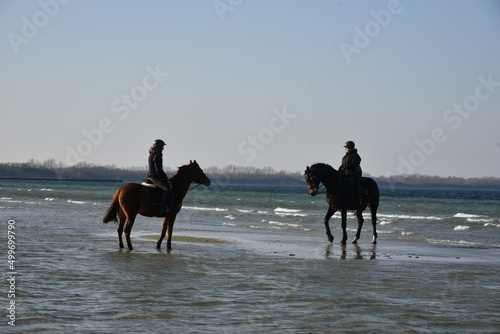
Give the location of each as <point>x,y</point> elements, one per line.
<point>467,215</point>
<point>479,220</point>
<point>243,210</point>
<point>229,217</point>
<point>282,212</point>
<point>50,199</point>
<point>461,228</point>
<point>205,209</point>
<point>396,216</point>
<point>47,189</point>
<point>460,243</point>
<point>283,224</point>
<point>278,209</point>
<point>491,224</point>
<point>76,202</point>
<point>228,224</point>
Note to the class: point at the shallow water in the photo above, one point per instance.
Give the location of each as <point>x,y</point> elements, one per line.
<point>252,259</point>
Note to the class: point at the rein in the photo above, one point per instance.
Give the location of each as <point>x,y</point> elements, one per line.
<point>322,189</point>
<point>199,184</point>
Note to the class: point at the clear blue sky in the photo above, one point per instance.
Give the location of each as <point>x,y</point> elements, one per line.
<point>416,84</point>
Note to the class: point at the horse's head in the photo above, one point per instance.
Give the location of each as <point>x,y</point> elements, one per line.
<point>198,176</point>
<point>312,182</point>
<point>318,174</point>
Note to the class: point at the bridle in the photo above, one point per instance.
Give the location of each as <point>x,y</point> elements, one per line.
<point>321,188</point>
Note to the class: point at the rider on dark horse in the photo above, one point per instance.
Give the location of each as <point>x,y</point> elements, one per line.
<point>156,174</point>
<point>351,168</point>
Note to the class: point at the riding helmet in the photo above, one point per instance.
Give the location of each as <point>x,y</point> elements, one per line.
<point>159,143</point>
<point>349,144</point>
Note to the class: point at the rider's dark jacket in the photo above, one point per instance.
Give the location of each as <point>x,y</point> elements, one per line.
<point>155,162</point>
<point>351,164</point>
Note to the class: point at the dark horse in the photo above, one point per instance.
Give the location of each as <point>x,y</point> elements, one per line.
<point>341,196</point>
<point>132,199</point>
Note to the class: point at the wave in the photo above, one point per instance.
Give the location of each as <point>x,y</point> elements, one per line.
<point>278,209</point>
<point>76,202</point>
<point>468,215</point>
<point>396,216</point>
<point>50,199</point>
<point>461,228</point>
<point>460,243</point>
<point>283,212</point>
<point>479,220</point>
<point>197,208</point>
<point>283,224</point>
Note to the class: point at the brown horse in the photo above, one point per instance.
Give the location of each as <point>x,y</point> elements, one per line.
<point>132,199</point>
<point>340,197</point>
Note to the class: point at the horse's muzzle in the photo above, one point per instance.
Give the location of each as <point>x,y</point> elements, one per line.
<point>313,192</point>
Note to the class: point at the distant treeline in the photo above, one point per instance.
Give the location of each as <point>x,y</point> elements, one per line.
<point>231,174</point>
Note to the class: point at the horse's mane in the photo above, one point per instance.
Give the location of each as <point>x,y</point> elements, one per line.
<point>184,167</point>
<point>321,165</point>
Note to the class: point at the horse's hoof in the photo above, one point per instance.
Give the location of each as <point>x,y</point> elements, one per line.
<point>355,241</point>
<point>374,242</point>
<point>342,243</point>
<point>121,246</point>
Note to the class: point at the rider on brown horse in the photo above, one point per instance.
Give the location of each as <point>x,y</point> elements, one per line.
<point>351,168</point>
<point>156,173</point>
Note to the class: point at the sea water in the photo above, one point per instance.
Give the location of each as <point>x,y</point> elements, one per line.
<point>249,259</point>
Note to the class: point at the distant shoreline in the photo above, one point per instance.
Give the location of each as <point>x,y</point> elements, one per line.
<point>229,175</point>
<point>58,179</point>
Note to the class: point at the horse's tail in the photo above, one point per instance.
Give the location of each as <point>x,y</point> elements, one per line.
<point>112,213</point>
<point>374,193</point>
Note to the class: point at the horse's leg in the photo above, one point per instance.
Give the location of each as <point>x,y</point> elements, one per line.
<point>359,215</point>
<point>169,233</point>
<point>329,215</point>
<point>373,210</point>
<point>128,229</point>
<point>163,232</point>
<point>343,214</point>
<point>168,224</point>
<point>121,224</point>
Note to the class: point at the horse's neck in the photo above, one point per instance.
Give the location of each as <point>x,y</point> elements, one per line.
<point>180,184</point>
<point>328,178</point>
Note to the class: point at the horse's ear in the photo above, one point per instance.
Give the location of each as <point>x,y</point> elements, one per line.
<point>307,168</point>
<point>195,162</point>
<point>190,162</point>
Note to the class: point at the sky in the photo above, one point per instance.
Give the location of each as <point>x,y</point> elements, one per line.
<point>281,84</point>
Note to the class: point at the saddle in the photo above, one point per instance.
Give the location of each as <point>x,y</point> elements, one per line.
<point>348,189</point>
<point>155,193</point>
